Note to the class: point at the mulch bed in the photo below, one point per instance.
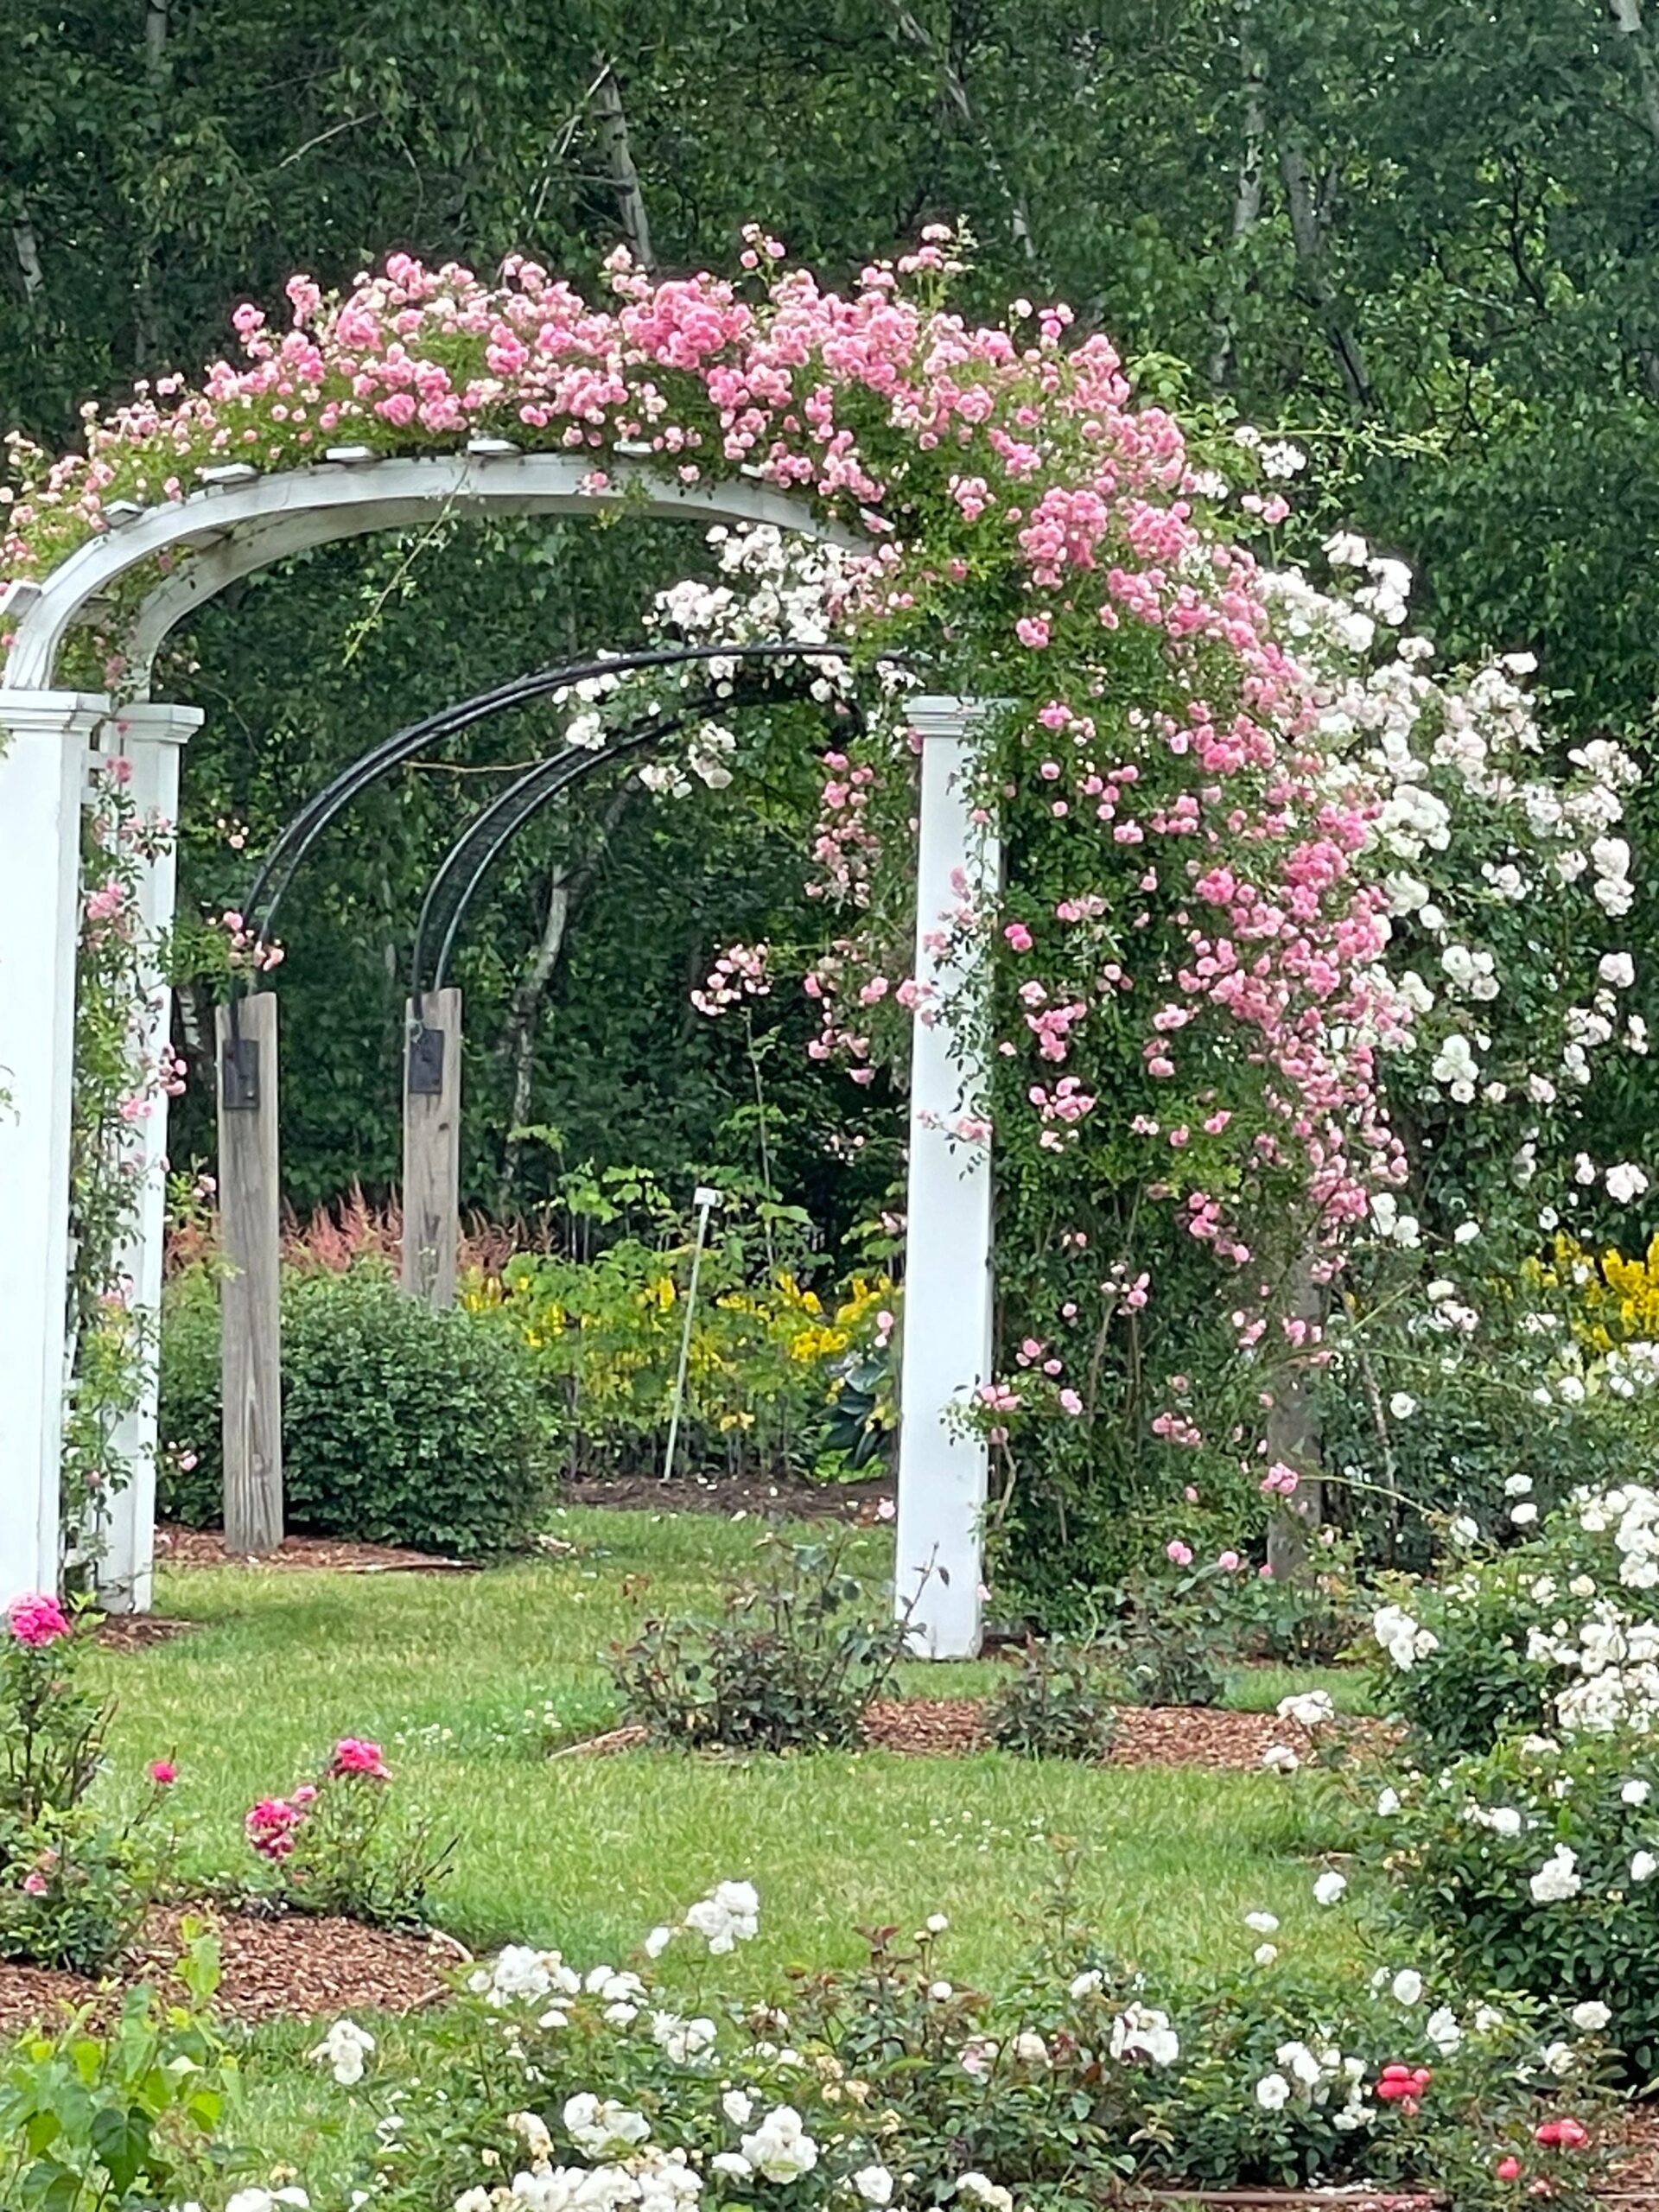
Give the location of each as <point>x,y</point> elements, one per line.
<point>274,1968</point>
<point>1177,1735</point>
<point>785,1495</point>
<point>206,1547</point>
<point>138,1631</point>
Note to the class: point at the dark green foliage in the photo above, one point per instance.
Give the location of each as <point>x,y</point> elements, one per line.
<point>399,1426</point>
<point>802,1654</point>
<point>1466,1881</point>
<point>1059,1702</point>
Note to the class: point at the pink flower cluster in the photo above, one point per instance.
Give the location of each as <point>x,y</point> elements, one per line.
<point>356,1755</point>
<point>37,1620</point>
<point>272,1826</point>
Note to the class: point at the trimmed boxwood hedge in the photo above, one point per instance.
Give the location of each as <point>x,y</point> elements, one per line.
<point>400,1425</point>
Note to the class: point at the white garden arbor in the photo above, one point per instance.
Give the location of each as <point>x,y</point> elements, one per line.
<point>237,521</point>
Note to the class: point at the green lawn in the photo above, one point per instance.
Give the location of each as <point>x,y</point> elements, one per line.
<point>459,1675</point>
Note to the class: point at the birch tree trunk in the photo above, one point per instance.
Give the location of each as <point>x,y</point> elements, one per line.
<point>1294,1437</point>
<point>625,176</point>
<point>1308,227</point>
<point>1627,20</point>
<point>1246,200</point>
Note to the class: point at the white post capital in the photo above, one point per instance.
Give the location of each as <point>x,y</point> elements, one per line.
<point>946,1350</point>
<point>150,737</point>
<point>44,738</point>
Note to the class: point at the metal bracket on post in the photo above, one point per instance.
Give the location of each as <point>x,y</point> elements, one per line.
<point>425,1074</point>
<point>238,1074</point>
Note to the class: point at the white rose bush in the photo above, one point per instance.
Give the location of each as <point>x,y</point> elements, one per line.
<point>891,2085</point>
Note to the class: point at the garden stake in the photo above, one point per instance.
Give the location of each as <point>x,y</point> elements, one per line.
<point>705,1200</point>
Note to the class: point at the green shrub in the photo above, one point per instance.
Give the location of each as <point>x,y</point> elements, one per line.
<point>399,1425</point>
<point>798,1660</point>
<point>128,2115</point>
<point>1555,1635</point>
<point>341,1844</point>
<point>75,1876</point>
<point>1060,1702</point>
<point>905,2084</point>
<point>1536,1866</point>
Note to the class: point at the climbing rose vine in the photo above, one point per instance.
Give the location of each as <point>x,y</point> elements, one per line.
<point>1179,1054</point>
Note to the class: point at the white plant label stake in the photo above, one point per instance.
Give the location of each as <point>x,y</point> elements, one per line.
<point>705,1201</point>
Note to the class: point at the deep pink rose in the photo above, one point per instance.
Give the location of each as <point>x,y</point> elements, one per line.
<point>37,1620</point>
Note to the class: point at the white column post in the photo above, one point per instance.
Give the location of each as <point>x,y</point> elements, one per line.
<point>946,1350</point>
<point>151,737</point>
<point>42,774</point>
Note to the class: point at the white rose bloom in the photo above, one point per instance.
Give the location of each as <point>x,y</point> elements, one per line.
<point>1636,1792</point>
<point>873,2184</point>
<point>1442,2029</point>
<point>1505,1821</point>
<point>1388,1804</point>
<point>1329,1888</point>
<point>1407,1987</point>
<point>1281,1759</point>
<point>1265,1954</point>
<point>1523,1515</point>
<point>780,2147</point>
<point>1141,2030</point>
<point>1308,1709</point>
<point>1591,2017</point>
<point>346,2049</point>
<point>1263,1923</point>
<point>1643,1866</point>
<point>1625,1182</point>
<point>1517,1485</point>
<point>738,2106</point>
<point>1558,1878</point>
<point>979,2190</point>
<point>1272,2092</point>
<point>1403,1405</point>
<point>1616,969</point>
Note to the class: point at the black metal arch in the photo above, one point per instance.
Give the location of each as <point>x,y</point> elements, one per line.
<point>487,837</point>
<point>325,807</point>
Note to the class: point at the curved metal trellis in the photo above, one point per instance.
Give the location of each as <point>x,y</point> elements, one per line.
<point>484,840</point>
<point>276,874</point>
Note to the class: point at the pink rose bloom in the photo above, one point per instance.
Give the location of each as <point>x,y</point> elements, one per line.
<point>163,1773</point>
<point>37,1620</point>
<point>35,1884</point>
<point>1230,1562</point>
<point>355,1755</point>
<point>269,1826</point>
<point>1179,1552</point>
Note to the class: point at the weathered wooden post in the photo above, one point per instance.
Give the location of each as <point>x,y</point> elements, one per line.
<point>432,1148</point>
<point>250,1171</point>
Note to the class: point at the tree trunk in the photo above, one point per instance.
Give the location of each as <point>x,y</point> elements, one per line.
<point>1246,200</point>
<point>954,90</point>
<point>1294,1437</point>
<point>1307,230</point>
<point>565,893</point>
<point>624,177</point>
<point>1627,20</point>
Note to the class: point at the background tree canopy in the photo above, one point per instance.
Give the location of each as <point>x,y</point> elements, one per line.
<point>1422,237</point>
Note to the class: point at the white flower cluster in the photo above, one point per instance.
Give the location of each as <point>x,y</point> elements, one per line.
<point>1314,2076</point>
<point>1404,1639</point>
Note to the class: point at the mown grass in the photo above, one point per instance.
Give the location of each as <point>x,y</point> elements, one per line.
<point>463,1678</point>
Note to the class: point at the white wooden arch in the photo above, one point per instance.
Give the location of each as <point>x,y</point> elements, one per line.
<point>242,520</point>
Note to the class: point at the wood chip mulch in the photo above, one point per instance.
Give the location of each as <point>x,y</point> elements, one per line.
<point>206,1547</point>
<point>138,1631</point>
<point>292,1967</point>
<point>766,1498</point>
<point>1177,1735</point>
